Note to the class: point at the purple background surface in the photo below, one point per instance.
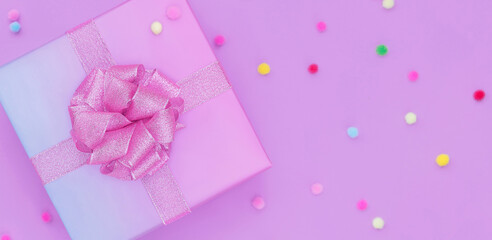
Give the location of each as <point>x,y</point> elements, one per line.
<point>42,21</point>
<point>301,120</point>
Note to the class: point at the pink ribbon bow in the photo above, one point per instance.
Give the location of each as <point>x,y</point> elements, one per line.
<point>126,117</point>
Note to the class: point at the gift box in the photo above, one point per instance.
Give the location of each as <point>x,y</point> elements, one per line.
<point>49,92</point>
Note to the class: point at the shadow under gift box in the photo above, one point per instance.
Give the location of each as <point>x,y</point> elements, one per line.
<point>216,150</point>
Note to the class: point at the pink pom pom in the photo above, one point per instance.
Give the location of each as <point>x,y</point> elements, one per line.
<point>321,26</point>
<point>413,76</point>
<point>46,217</point>
<point>258,203</point>
<point>317,188</point>
<point>219,40</point>
<point>362,204</point>
<point>5,237</point>
<point>13,15</point>
<point>173,12</point>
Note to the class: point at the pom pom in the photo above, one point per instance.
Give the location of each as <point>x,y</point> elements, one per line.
<point>173,12</point>
<point>258,203</point>
<point>15,27</point>
<point>156,28</point>
<point>479,95</point>
<point>378,223</point>
<point>362,204</point>
<point>388,4</point>
<point>264,69</point>
<point>46,217</point>
<point>413,76</point>
<point>442,160</point>
<point>313,68</point>
<point>219,40</point>
<point>321,26</point>
<point>316,188</point>
<point>13,15</point>
<point>352,132</point>
<point>410,118</point>
<point>381,50</point>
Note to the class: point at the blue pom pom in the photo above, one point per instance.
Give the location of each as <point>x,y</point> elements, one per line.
<point>15,27</point>
<point>353,132</point>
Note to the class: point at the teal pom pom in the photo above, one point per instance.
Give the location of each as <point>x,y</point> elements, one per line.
<point>15,27</point>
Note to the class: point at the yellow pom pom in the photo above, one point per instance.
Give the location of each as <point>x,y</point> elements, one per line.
<point>156,28</point>
<point>378,223</point>
<point>442,160</point>
<point>264,69</point>
<point>411,118</point>
<point>388,4</point>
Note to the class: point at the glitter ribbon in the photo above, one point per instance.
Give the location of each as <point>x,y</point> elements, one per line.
<point>124,119</point>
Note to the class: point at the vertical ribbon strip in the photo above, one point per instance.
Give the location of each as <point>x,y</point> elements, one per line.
<point>164,191</point>
<point>90,47</point>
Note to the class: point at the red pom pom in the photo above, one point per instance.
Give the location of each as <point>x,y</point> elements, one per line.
<point>479,95</point>
<point>313,68</point>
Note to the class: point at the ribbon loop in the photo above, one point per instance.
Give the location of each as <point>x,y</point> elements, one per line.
<point>126,117</point>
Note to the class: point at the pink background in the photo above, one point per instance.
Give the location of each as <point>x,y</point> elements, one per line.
<point>301,120</point>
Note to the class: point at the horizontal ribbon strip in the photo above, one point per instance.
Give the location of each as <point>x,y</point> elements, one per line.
<point>52,163</point>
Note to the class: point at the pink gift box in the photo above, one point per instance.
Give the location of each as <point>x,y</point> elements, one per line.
<point>215,151</point>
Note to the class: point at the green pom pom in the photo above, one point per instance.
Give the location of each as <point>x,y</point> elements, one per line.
<point>381,50</point>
